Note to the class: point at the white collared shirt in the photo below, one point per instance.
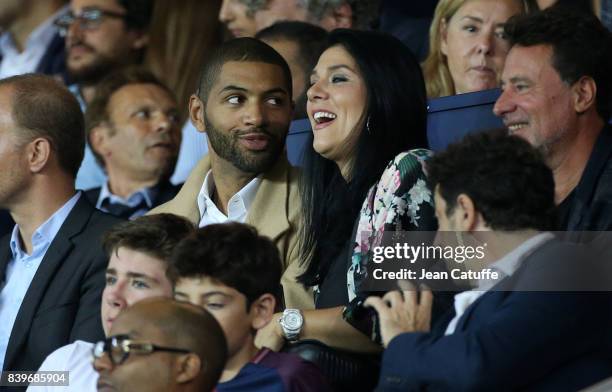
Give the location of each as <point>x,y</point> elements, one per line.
<point>237,207</point>
<point>506,266</point>
<point>16,63</point>
<point>76,359</point>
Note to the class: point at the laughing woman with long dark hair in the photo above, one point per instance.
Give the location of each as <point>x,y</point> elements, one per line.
<point>363,175</point>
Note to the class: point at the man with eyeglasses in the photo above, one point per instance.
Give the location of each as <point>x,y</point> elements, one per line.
<point>161,345</point>
<point>29,41</point>
<point>139,253</point>
<point>101,37</point>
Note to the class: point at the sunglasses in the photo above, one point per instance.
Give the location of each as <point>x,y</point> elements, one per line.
<point>88,19</point>
<point>119,348</point>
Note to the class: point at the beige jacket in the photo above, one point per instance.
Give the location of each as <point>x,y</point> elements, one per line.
<point>275,213</point>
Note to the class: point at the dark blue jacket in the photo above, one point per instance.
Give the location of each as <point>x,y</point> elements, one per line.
<point>512,340</point>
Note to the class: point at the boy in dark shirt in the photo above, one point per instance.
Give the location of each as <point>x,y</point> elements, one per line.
<point>234,273</point>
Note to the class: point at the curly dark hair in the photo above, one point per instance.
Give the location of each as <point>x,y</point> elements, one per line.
<point>580,43</point>
<point>506,178</point>
<point>233,254</point>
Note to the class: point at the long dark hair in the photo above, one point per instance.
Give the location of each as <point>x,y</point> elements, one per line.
<point>396,110</point>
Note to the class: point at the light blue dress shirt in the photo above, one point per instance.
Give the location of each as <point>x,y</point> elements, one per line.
<point>90,174</point>
<point>194,146</point>
<point>22,267</point>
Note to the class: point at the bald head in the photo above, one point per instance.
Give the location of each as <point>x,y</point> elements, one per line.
<point>169,323</point>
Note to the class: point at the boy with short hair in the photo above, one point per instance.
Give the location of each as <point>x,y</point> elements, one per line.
<point>139,253</point>
<point>234,273</point>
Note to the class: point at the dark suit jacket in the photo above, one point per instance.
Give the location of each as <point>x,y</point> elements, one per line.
<point>62,303</point>
<point>591,206</point>
<point>54,59</point>
<point>6,223</point>
<point>512,340</point>
<point>165,192</point>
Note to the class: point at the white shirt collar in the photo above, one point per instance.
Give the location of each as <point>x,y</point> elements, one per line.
<point>238,205</point>
<point>507,266</point>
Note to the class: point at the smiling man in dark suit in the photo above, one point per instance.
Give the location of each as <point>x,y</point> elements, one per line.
<point>52,264</point>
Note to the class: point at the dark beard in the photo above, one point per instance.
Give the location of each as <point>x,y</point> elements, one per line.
<point>255,162</point>
<point>93,73</point>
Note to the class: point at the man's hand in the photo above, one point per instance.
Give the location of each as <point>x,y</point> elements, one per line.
<point>401,311</point>
<point>271,336</point>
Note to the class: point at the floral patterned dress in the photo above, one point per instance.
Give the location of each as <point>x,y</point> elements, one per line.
<point>400,201</point>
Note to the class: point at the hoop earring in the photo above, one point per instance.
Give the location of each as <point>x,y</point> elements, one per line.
<point>368,125</point>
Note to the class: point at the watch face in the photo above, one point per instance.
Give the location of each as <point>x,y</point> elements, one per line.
<point>292,320</point>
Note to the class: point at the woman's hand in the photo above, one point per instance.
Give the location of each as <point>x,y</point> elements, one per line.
<point>271,336</point>
<point>400,312</point>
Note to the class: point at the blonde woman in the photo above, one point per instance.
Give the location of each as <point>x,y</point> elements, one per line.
<point>467,45</point>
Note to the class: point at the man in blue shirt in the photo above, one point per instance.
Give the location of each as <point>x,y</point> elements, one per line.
<point>52,265</point>
<point>133,129</point>
<point>101,36</point>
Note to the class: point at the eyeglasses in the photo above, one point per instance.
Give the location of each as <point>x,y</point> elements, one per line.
<point>119,348</point>
<point>89,19</point>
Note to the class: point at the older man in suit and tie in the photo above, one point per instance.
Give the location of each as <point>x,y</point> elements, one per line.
<point>52,264</point>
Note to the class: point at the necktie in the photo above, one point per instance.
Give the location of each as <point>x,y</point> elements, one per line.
<point>121,210</point>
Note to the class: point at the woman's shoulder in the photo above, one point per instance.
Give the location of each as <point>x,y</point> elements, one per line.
<point>411,158</point>
<point>407,167</point>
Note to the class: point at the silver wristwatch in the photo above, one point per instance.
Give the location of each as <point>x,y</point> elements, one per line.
<point>291,323</point>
